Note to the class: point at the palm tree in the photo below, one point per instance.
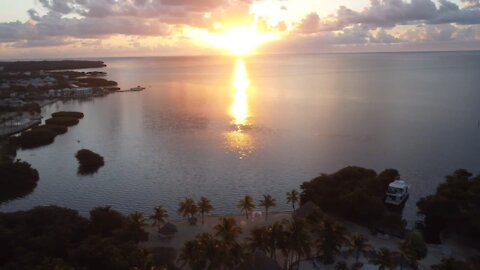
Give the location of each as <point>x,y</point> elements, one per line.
<point>191,254</point>
<point>384,259</point>
<point>259,239</point>
<point>227,229</point>
<point>136,218</point>
<point>204,207</point>
<point>246,205</point>
<point>297,241</point>
<point>267,202</point>
<point>159,216</point>
<point>293,197</point>
<point>187,208</point>
<point>331,238</point>
<point>359,244</point>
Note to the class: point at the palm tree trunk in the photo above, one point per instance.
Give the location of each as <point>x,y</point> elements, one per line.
<point>246,214</point>
<point>202,218</point>
<point>266,214</point>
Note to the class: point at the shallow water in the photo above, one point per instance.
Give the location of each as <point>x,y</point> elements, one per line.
<point>221,128</point>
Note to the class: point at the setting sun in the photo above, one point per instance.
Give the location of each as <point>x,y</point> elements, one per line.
<point>240,40</point>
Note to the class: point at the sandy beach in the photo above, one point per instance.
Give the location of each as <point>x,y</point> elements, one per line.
<point>188,232</point>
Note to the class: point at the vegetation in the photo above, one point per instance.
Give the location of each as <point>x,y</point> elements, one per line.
<point>412,248</point>
<point>246,205</point>
<point>77,115</point>
<point>97,82</point>
<point>453,208</point>
<point>52,128</point>
<point>36,137</point>
<point>188,209</point>
<point>89,162</point>
<point>17,179</point>
<point>331,237</point>
<point>267,202</point>
<point>59,238</point>
<point>204,207</point>
<point>356,194</point>
<point>62,121</point>
<point>50,65</point>
<point>45,134</point>
<point>293,198</point>
<point>159,216</point>
<point>358,245</point>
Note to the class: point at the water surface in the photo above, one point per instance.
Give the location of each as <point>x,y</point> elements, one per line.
<point>221,128</point>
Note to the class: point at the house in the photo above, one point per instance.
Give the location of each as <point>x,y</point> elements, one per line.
<point>83,92</point>
<point>12,103</point>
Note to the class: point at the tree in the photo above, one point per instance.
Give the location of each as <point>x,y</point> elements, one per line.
<point>267,202</point>
<point>359,244</point>
<point>293,197</point>
<point>384,259</point>
<point>136,218</point>
<point>297,244</point>
<point>191,254</point>
<point>246,205</point>
<point>330,238</point>
<point>187,208</point>
<point>105,220</point>
<point>205,207</point>
<point>413,248</point>
<point>159,216</point>
<point>227,229</point>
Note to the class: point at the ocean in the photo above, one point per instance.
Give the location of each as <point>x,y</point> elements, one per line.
<point>222,127</point>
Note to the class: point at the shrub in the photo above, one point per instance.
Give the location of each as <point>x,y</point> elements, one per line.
<point>52,128</point>
<point>77,115</point>
<point>35,138</point>
<point>62,121</point>
<point>89,161</point>
<point>356,194</point>
<point>18,180</point>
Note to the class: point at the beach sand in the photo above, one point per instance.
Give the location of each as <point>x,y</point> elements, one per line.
<point>188,232</point>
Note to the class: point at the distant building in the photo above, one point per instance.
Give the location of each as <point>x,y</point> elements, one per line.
<point>12,103</point>
<point>2,68</point>
<point>83,92</point>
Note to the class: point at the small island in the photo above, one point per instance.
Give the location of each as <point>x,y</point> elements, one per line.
<point>89,162</point>
<point>45,134</point>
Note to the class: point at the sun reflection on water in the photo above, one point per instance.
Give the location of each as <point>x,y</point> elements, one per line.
<point>239,109</point>
<point>239,140</point>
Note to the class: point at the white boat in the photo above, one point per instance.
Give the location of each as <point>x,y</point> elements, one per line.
<point>138,88</point>
<point>397,192</point>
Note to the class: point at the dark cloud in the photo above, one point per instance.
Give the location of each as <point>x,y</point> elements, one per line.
<point>389,13</point>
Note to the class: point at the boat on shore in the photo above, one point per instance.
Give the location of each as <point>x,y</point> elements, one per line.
<point>397,192</point>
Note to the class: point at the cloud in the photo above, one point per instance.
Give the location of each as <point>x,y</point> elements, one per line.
<point>389,13</point>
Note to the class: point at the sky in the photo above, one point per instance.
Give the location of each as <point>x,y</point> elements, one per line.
<point>31,29</point>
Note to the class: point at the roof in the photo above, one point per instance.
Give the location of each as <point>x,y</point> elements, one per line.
<point>168,229</point>
<point>398,184</point>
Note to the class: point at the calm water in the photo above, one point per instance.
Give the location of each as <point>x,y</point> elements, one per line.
<point>221,128</point>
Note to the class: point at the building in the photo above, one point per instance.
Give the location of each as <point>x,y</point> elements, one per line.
<point>83,92</point>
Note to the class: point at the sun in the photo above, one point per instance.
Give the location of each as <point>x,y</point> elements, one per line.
<point>240,40</point>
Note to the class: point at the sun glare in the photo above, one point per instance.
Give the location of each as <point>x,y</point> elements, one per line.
<point>240,40</point>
